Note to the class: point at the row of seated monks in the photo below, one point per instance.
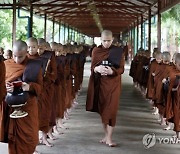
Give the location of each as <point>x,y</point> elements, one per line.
<point>158,78</point>
<point>39,85</point>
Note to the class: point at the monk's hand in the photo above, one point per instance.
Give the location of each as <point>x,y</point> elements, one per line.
<point>9,87</point>
<point>153,74</point>
<point>108,70</point>
<point>100,69</point>
<point>25,86</point>
<point>164,80</point>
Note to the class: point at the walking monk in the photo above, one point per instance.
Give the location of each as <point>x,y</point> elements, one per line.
<point>23,132</point>
<point>105,84</point>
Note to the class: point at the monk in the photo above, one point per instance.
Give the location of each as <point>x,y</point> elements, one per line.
<point>105,84</point>
<point>23,132</point>
<point>35,51</point>
<point>2,95</point>
<point>7,54</point>
<point>159,75</point>
<point>57,105</point>
<point>60,87</point>
<point>51,75</point>
<point>150,84</point>
<point>172,106</point>
<point>1,51</point>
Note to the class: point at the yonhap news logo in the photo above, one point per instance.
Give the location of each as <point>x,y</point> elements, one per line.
<point>149,140</point>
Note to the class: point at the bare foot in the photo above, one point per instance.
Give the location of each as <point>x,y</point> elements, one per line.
<point>163,123</point>
<point>103,140</point>
<point>56,131</point>
<point>50,135</point>
<point>46,143</point>
<point>111,144</point>
<point>36,152</point>
<point>167,128</point>
<point>62,126</point>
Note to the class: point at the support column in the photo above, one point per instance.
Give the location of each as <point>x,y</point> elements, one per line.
<point>30,30</point>
<point>59,32</point>
<point>137,34</point>
<point>74,36</point>
<point>142,31</point>
<point>149,27</point>
<point>68,32</point>
<point>45,25</point>
<point>64,33</point>
<point>14,23</point>
<point>134,37</point>
<point>159,26</point>
<point>53,30</point>
<point>131,43</point>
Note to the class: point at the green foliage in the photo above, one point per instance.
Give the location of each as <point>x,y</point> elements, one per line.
<point>5,27</point>
<point>173,13</point>
<point>171,21</point>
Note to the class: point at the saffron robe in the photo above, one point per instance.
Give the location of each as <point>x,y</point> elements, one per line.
<point>109,88</point>
<point>23,132</point>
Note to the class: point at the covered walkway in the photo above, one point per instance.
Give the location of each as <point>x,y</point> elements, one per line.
<point>134,120</point>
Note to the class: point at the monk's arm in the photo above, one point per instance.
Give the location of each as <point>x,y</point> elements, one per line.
<point>2,81</point>
<point>120,70</point>
<point>37,86</point>
<point>52,75</point>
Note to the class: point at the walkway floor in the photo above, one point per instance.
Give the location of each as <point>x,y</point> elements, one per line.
<point>134,120</point>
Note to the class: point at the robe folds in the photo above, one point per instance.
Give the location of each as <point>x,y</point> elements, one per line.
<point>105,100</point>
<point>22,132</point>
<point>150,84</point>
<point>176,109</point>
<point>43,103</point>
<point>2,95</point>
<point>49,83</point>
<point>60,93</point>
<point>171,96</point>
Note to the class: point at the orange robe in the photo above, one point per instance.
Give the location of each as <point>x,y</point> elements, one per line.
<point>150,84</point>
<point>2,95</point>
<point>50,84</point>
<point>109,88</point>
<point>23,132</point>
<point>60,93</point>
<point>176,107</point>
<point>170,96</point>
<point>68,74</point>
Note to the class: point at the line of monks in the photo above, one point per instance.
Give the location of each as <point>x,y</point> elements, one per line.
<point>158,78</point>
<point>52,74</point>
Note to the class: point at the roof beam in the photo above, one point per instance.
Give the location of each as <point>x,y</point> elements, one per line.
<point>85,6</point>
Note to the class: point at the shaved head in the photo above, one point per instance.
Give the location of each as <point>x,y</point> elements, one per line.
<point>41,41</point>
<point>106,38</point>
<point>177,61</point>
<point>166,57</point>
<point>19,51</point>
<point>32,39</point>
<point>106,33</point>
<point>20,46</point>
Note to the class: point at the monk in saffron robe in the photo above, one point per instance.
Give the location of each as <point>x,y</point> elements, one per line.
<point>23,132</point>
<point>60,93</point>
<point>153,65</point>
<point>158,83</point>
<point>2,95</point>
<point>105,85</point>
<point>35,51</point>
<point>172,105</point>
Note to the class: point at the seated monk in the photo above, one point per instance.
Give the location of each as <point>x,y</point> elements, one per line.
<point>23,132</point>
<point>105,84</point>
